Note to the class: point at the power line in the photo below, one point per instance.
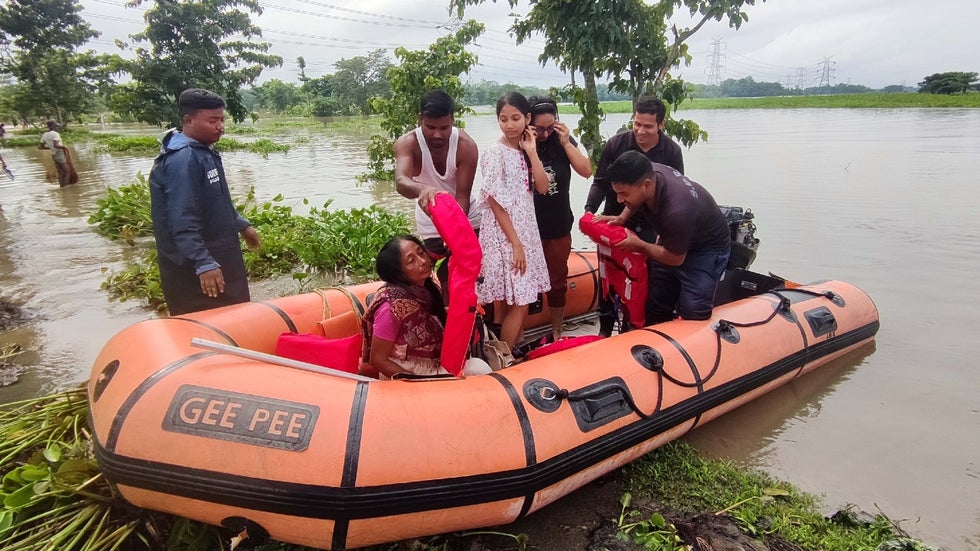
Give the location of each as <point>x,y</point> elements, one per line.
<point>427,25</point>
<point>369,14</point>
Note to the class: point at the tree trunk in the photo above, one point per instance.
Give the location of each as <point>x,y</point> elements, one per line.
<point>592,116</point>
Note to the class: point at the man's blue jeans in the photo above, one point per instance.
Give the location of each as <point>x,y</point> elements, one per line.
<point>687,290</point>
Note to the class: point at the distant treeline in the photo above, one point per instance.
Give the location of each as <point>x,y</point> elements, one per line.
<point>749,88</point>
<point>340,95</point>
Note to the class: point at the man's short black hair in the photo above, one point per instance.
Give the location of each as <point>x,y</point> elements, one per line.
<point>52,124</point>
<point>650,105</point>
<point>436,104</point>
<point>631,168</point>
<point>193,100</point>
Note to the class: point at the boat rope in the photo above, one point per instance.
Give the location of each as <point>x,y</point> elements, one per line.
<point>354,303</point>
<point>722,326</point>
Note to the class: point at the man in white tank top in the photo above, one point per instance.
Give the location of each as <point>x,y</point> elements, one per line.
<point>437,157</point>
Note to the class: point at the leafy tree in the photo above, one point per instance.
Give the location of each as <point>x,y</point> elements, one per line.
<point>949,83</point>
<point>319,91</point>
<point>748,88</point>
<point>624,39</point>
<point>359,79</point>
<point>278,96</point>
<point>301,63</point>
<point>193,43</point>
<point>419,71</point>
<point>839,88</point>
<point>895,89</point>
<point>41,38</point>
<point>487,92</point>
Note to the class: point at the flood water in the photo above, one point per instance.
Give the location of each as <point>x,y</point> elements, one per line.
<point>884,199</point>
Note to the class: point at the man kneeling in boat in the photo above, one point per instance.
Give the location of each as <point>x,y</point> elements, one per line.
<point>691,252</point>
<point>404,326</point>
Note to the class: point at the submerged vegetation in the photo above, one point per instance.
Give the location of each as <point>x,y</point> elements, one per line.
<point>335,244</point>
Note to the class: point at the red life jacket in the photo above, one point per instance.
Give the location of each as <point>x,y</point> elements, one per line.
<point>621,271</point>
<point>464,269</point>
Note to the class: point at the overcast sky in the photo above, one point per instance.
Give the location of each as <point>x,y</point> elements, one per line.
<point>869,42</point>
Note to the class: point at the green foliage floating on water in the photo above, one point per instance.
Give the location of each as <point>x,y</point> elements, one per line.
<point>262,146</point>
<point>680,478</point>
<point>129,144</point>
<point>124,213</point>
<point>341,243</point>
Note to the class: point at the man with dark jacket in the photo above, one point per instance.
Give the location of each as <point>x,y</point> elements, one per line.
<point>194,220</point>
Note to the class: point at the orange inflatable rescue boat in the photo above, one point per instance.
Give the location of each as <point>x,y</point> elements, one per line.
<point>195,416</point>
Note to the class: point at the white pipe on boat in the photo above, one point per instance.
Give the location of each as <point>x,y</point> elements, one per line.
<point>272,359</point>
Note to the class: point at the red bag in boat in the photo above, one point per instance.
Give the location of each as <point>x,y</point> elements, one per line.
<point>563,343</point>
<point>621,271</point>
<point>464,268</point>
<point>341,354</point>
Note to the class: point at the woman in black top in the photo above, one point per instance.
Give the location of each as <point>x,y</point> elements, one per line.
<point>559,154</point>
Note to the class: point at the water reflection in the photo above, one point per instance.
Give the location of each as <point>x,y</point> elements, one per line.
<point>749,430</point>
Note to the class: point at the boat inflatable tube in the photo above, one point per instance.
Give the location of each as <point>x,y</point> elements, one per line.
<point>332,460</point>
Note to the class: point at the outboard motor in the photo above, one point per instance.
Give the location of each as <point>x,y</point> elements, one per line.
<point>744,242</point>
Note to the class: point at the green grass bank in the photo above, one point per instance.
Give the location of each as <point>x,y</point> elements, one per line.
<point>841,101</point>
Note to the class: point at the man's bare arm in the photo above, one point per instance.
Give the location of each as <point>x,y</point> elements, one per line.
<point>405,149</point>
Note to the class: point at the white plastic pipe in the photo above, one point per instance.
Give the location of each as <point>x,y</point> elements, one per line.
<point>272,359</point>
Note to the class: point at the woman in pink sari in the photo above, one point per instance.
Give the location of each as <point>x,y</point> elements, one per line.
<point>403,327</point>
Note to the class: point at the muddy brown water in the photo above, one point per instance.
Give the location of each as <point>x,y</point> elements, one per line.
<point>885,199</point>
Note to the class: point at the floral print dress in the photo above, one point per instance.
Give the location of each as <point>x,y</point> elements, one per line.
<point>505,178</point>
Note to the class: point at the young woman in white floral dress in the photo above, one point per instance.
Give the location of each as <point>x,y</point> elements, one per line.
<point>514,269</point>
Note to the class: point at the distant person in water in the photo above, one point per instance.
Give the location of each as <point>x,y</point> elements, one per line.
<point>195,223</point>
<point>51,140</point>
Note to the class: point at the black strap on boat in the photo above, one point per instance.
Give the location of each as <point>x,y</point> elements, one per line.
<point>721,327</point>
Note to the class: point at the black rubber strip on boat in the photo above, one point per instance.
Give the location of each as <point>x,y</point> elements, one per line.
<point>596,283</point>
<point>530,453</point>
<point>313,501</point>
<point>210,327</point>
<point>282,314</point>
<point>139,391</point>
<point>690,363</point>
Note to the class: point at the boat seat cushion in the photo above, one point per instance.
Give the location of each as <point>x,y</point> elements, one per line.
<point>341,325</point>
<point>343,354</point>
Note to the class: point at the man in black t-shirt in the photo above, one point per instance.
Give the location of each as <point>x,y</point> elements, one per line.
<point>689,255</point>
<point>647,137</point>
